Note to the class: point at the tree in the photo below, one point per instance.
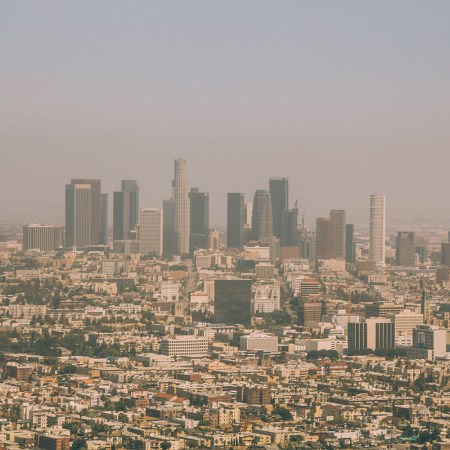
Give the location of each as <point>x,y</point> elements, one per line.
<point>166,445</point>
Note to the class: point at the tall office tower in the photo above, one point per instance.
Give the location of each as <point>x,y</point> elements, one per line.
<point>289,225</point>
<point>350,256</point>
<point>151,231</point>
<point>331,235</point>
<point>307,244</point>
<point>406,255</point>
<point>235,220</point>
<point>132,187</point>
<point>376,333</point>
<point>233,301</point>
<point>445,253</point>
<point>125,210</point>
<point>199,208</point>
<point>262,225</point>
<point>96,208</point>
<point>169,235</point>
<point>323,238</point>
<point>279,194</point>
<point>182,216</point>
<point>44,238</point>
<point>338,222</point>
<point>104,220</point>
<point>78,215</point>
<point>377,228</point>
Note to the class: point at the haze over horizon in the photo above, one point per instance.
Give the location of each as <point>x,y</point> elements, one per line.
<point>344,99</point>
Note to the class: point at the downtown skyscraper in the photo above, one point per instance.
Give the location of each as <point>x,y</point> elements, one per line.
<point>331,235</point>
<point>125,210</point>
<point>377,228</point>
<point>83,213</point>
<point>279,195</point>
<point>182,209</point>
<point>235,220</point>
<point>199,227</point>
<point>262,223</point>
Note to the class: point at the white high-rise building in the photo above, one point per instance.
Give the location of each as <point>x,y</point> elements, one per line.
<point>151,231</point>
<point>377,228</point>
<point>182,216</point>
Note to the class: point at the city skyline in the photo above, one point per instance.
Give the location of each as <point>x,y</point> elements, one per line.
<point>335,97</point>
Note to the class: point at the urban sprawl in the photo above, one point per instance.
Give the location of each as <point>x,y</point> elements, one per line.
<point>164,333</point>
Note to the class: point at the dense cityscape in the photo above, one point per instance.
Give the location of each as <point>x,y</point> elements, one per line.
<point>163,332</point>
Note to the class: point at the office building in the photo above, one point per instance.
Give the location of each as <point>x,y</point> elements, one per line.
<point>405,321</point>
<point>331,235</point>
<point>193,346</point>
<point>350,254</point>
<point>374,334</point>
<point>125,210</point>
<point>44,238</point>
<point>377,228</point>
<point>422,252</point>
<point>104,220</point>
<point>430,342</point>
<point>132,187</point>
<point>20,372</point>
<point>169,234</point>
<point>262,225</point>
<point>151,231</point>
<point>199,225</point>
<point>309,287</point>
<point>232,301</point>
<point>323,238</point>
<point>445,254</point>
<point>405,249</point>
<point>309,312</point>
<point>235,220</point>
<point>338,233</point>
<point>289,225</point>
<point>79,225</point>
<point>381,309</point>
<point>182,214</point>
<point>79,212</point>
<point>307,244</point>
<point>258,342</point>
<point>279,194</point>
<point>52,442</point>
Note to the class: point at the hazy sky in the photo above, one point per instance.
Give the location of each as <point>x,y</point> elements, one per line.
<point>345,98</point>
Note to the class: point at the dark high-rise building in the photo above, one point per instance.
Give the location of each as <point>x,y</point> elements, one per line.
<point>199,210</point>
<point>104,220</point>
<point>350,256</point>
<point>182,215</point>
<point>132,187</point>
<point>405,255</point>
<point>279,194</point>
<point>169,234</point>
<point>289,225</point>
<point>83,213</point>
<point>236,210</point>
<point>125,210</point>
<point>262,226</point>
<point>445,254</point>
<point>422,251</point>
<point>232,301</point>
